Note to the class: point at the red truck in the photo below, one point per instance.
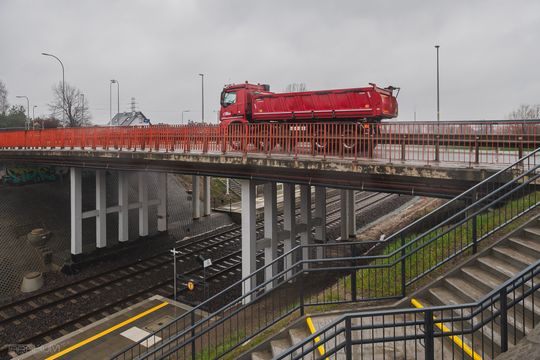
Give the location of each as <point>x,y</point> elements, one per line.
<point>250,103</point>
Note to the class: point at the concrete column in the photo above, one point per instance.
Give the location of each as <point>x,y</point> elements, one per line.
<point>195,191</point>
<point>101,208</point>
<point>320,218</point>
<point>343,215</point>
<point>143,199</point>
<point>123,206</point>
<point>76,210</point>
<point>249,234</point>
<point>305,219</point>
<point>270,229</point>
<point>289,223</point>
<point>207,206</point>
<point>162,206</point>
<point>351,214</point>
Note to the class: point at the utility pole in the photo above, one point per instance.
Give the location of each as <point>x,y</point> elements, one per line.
<point>174,252</point>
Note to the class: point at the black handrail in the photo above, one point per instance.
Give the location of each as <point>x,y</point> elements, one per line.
<point>298,266</point>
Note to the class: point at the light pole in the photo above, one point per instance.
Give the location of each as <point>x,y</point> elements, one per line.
<point>202,96</point>
<point>184,111</point>
<point>26,123</point>
<point>438,108</point>
<point>117,97</point>
<point>63,87</point>
<point>174,252</point>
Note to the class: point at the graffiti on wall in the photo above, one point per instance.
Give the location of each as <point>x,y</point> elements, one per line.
<point>20,175</point>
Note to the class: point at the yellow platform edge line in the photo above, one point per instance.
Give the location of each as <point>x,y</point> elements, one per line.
<point>312,330</point>
<point>456,339</point>
<point>107,331</point>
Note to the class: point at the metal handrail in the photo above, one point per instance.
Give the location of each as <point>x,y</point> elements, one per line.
<point>487,300</point>
<point>302,261</point>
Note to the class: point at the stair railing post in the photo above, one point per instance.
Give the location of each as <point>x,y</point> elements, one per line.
<point>353,276</point>
<point>429,336</point>
<point>193,352</point>
<point>504,319</point>
<point>402,262</point>
<point>348,338</point>
<point>301,293</point>
<point>474,226</point>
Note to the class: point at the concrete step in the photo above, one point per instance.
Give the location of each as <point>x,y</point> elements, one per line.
<point>532,232</point>
<point>480,277</point>
<point>497,266</point>
<point>533,245</point>
<point>261,355</point>
<point>298,335</point>
<point>518,258</point>
<point>466,289</point>
<point>279,346</point>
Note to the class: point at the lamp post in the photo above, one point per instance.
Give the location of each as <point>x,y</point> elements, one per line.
<point>184,111</point>
<point>117,97</point>
<point>438,108</point>
<point>26,123</point>
<point>202,96</point>
<point>63,87</point>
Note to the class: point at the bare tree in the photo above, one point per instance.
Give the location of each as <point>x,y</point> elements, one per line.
<point>296,87</point>
<point>4,104</point>
<point>72,107</point>
<point>525,111</point>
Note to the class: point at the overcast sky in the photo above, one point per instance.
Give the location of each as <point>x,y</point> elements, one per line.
<point>489,55</point>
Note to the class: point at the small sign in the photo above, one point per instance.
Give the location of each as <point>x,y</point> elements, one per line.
<point>191,285</point>
<point>207,263</point>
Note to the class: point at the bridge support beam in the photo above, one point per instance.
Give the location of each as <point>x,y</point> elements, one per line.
<point>207,206</point>
<point>123,206</point>
<point>320,218</point>
<point>195,196</point>
<point>101,209</point>
<point>305,219</point>
<point>289,224</point>
<point>270,230</point>
<point>162,205</point>
<point>143,200</point>
<point>76,210</point>
<point>249,235</point>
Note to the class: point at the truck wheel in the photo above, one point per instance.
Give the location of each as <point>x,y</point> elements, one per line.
<point>350,142</point>
<point>320,142</point>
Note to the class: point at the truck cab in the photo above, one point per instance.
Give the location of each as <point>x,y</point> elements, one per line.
<point>236,102</point>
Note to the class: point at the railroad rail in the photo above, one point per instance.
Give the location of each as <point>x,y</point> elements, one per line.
<point>226,269</point>
<point>477,142</point>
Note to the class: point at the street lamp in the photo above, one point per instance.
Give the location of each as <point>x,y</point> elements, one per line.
<point>117,97</point>
<point>184,111</point>
<point>438,108</point>
<point>438,103</point>
<point>26,124</point>
<point>63,87</point>
<point>202,95</point>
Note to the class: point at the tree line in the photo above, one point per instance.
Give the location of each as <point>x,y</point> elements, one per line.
<point>69,108</point>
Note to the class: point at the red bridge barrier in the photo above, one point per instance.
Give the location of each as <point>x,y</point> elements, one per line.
<point>500,142</point>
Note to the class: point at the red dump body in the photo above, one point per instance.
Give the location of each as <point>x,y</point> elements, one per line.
<point>255,103</point>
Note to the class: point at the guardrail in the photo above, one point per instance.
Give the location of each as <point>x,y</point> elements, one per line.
<point>385,271</point>
<point>501,142</point>
<point>415,332</point>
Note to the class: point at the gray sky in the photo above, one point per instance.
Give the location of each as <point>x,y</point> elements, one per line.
<point>489,51</point>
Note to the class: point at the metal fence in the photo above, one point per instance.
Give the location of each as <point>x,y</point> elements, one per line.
<point>469,143</point>
<point>483,329</point>
<point>384,271</point>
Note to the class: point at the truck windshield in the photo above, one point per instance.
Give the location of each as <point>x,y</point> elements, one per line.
<point>229,98</point>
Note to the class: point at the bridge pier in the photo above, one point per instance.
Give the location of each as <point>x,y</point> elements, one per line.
<point>270,230</point>
<point>289,224</point>
<point>207,206</point>
<point>101,209</point>
<point>348,217</point>
<point>162,202</point>
<point>305,221</point>
<point>75,175</point>
<point>249,235</point>
<point>123,206</point>
<point>143,200</point>
<point>196,202</point>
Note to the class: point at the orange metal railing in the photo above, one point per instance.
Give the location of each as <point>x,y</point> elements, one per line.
<point>497,142</point>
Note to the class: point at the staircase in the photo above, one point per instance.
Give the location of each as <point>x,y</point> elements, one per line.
<point>467,283</point>
<point>480,275</point>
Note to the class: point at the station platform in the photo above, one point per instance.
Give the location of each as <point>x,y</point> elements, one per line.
<point>113,333</point>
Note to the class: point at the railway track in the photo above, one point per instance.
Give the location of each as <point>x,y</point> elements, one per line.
<point>225,269</point>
